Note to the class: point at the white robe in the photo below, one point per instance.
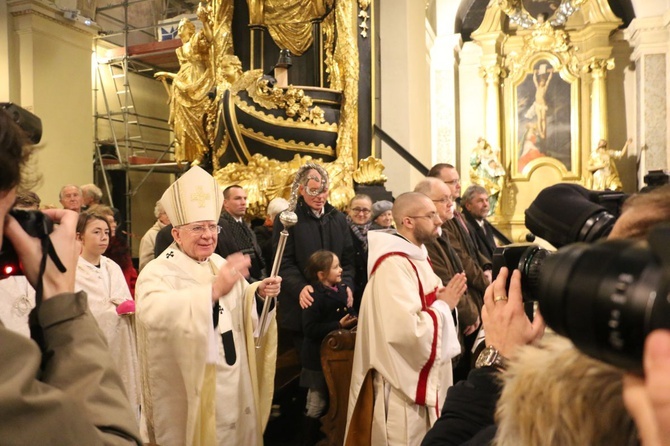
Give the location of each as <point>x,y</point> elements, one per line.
<point>148,243</point>
<point>176,340</point>
<point>106,288</point>
<point>405,347</point>
<point>17,299</point>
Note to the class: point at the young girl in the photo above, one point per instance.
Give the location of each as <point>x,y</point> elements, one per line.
<point>108,298</point>
<point>328,312</point>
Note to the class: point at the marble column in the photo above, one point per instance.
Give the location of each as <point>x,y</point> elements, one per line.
<point>650,39</point>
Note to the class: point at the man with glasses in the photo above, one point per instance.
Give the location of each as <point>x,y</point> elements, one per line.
<point>406,332</point>
<point>203,381</point>
<point>477,267</point>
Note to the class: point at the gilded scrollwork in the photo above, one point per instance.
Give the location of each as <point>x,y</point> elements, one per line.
<point>296,146</point>
<point>543,39</point>
<point>493,73</point>
<point>293,101</point>
<point>364,16</point>
<point>598,67</point>
<point>264,179</point>
<point>520,16</point>
<point>281,121</point>
<point>369,172</point>
<point>546,38</point>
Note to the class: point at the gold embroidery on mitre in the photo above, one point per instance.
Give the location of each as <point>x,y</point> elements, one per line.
<point>200,196</point>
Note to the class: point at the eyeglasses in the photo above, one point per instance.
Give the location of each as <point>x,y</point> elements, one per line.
<point>361,210</point>
<point>444,200</point>
<point>453,182</point>
<point>432,216</point>
<point>200,229</point>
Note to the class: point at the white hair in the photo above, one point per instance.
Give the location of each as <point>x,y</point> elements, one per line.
<point>91,191</point>
<point>158,209</point>
<point>275,206</point>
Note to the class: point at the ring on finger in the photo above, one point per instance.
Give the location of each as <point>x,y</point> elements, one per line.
<point>233,272</point>
<point>499,298</point>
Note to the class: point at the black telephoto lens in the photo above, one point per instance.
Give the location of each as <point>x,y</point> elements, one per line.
<point>606,297</point>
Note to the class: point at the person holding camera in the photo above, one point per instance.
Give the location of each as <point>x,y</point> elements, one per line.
<point>547,393</point>
<point>61,388</point>
<point>469,408</point>
<point>648,399</point>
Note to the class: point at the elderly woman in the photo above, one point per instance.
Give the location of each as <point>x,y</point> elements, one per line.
<point>382,218</point>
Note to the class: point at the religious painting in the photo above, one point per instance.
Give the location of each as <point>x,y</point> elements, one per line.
<point>545,7</point>
<point>544,117</point>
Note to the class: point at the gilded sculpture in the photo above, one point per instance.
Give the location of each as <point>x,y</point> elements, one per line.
<point>210,82</point>
<point>603,173</point>
<point>487,171</point>
<point>188,95</point>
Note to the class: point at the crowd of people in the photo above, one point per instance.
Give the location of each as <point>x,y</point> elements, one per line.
<point>185,353</point>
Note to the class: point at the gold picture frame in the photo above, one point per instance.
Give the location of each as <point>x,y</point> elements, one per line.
<point>543,117</point>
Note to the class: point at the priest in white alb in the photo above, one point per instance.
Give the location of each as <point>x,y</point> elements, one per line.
<point>203,380</point>
<point>406,333</point>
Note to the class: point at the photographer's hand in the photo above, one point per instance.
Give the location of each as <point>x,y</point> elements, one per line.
<point>648,399</point>
<point>506,325</point>
<point>29,250</point>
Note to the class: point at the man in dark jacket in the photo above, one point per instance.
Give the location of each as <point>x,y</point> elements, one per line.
<point>320,226</point>
<point>236,235</point>
<point>475,210</point>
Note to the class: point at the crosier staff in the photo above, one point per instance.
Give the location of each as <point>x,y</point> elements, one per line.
<point>289,219</point>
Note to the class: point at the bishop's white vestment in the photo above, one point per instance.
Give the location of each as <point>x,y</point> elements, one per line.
<point>177,341</point>
<point>404,345</point>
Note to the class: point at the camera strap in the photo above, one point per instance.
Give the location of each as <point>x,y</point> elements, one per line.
<point>47,250</point>
<point>35,328</point>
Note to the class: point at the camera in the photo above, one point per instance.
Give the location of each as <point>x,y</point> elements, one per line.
<point>36,224</point>
<point>605,296</point>
<point>528,259</point>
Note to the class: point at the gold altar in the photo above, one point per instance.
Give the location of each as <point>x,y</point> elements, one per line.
<point>545,95</point>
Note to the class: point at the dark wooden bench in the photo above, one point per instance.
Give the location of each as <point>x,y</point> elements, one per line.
<point>337,356</point>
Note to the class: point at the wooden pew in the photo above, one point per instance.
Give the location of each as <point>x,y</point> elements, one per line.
<point>337,356</point>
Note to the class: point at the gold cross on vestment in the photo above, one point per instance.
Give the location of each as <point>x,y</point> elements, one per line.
<point>200,196</point>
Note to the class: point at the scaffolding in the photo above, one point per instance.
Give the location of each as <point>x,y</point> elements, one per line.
<point>126,138</point>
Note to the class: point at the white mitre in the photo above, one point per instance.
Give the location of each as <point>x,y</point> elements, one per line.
<point>195,196</point>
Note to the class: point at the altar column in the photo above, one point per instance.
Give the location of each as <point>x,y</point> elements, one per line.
<point>650,39</point>
<point>597,68</point>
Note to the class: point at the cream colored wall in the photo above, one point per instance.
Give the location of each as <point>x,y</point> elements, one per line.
<point>405,89</point>
<point>50,63</point>
<point>46,67</point>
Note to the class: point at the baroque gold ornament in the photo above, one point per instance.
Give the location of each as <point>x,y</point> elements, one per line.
<point>369,172</point>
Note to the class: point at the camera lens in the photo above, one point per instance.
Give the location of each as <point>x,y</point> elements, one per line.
<point>528,259</point>
<point>606,297</point>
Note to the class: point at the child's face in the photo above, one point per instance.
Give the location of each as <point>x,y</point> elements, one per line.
<point>334,275</point>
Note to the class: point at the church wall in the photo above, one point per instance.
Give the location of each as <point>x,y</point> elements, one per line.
<point>46,67</point>
<point>50,64</point>
<point>405,89</point>
<point>471,107</point>
<point>620,110</point>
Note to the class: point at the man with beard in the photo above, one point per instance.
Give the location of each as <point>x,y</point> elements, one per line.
<point>406,332</point>
<point>447,264</point>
